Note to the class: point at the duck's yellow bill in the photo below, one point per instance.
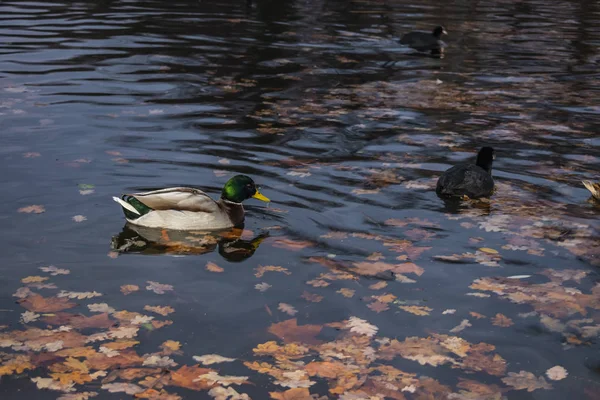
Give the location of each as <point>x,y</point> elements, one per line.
<point>258,195</point>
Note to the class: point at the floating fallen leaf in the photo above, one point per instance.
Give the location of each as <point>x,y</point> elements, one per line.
<point>79,218</point>
<point>502,320</point>
<point>48,383</point>
<point>361,327</point>
<point>31,155</point>
<point>488,250</point>
<point>526,380</point>
<point>36,209</point>
<point>209,359</point>
<point>158,361</point>
<point>17,364</point>
<point>186,377</point>
<point>212,267</point>
<point>464,324</point>
<point>34,279</point>
<point>378,306</point>
<point>78,295</point>
<point>557,373</point>
<point>37,303</point>
<point>78,396</point>
<point>260,271</point>
<point>128,289</point>
<point>52,270</point>
<point>162,310</point>
<point>158,288</point>
<point>292,394</point>
<point>128,388</point>
<point>449,311</point>
<point>286,308</point>
<point>171,346</point>
<point>291,332</point>
<point>229,393</point>
<point>312,297</point>
<point>101,308</point>
<point>477,315</point>
<point>213,377</point>
<point>263,286</point>
<point>346,292</point>
<point>378,286</point>
<point>417,310</point>
<point>293,245</point>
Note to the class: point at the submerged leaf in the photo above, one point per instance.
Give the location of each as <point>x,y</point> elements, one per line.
<point>526,380</point>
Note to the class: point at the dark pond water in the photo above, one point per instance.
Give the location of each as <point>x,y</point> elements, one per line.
<point>396,294</point>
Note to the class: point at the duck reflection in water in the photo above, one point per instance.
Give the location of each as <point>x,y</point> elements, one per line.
<point>234,245</point>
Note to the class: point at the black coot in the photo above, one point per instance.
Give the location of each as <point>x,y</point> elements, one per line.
<point>473,180</point>
<point>424,41</point>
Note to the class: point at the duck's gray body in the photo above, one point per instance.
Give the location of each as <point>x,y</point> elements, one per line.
<point>465,179</point>
<point>185,208</point>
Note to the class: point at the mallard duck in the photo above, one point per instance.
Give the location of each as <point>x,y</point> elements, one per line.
<point>425,41</point>
<point>592,187</point>
<point>472,180</point>
<point>184,208</point>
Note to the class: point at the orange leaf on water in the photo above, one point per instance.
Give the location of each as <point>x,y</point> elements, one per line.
<point>289,331</point>
<point>38,303</point>
<point>212,267</point>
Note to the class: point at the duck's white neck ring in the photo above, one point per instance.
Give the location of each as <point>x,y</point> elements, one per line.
<point>231,202</point>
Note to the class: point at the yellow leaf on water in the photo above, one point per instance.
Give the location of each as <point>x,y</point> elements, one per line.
<point>171,345</point>
<point>162,310</point>
<point>36,209</point>
<point>502,321</point>
<point>260,271</point>
<point>127,289</point>
<point>346,292</point>
<point>488,250</point>
<point>417,310</point>
<point>34,279</point>
<point>212,267</point>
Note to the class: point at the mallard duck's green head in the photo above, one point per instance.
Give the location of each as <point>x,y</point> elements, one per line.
<point>240,188</point>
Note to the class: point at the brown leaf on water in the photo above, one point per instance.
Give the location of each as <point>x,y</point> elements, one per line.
<point>170,346</point>
<point>375,257</point>
<point>162,310</point>
<point>292,394</point>
<point>128,289</point>
<point>526,380</point>
<point>417,310</point>
<point>385,298</point>
<point>318,283</point>
<point>160,324</point>
<point>346,292</point>
<point>77,352</point>
<point>38,303</point>
<point>477,315</point>
<point>186,377</point>
<point>125,358</point>
<point>443,349</point>
<point>378,306</point>
<point>51,384</point>
<point>289,331</point>
<point>326,369</point>
<point>36,209</point>
<point>79,321</point>
<point>260,271</point>
<point>158,288</point>
<point>154,394</point>
<point>474,390</point>
<point>34,279</point>
<point>378,286</point>
<point>312,297</point>
<point>212,267</point>
<point>375,268</point>
<point>502,321</point>
<point>120,387</point>
<point>293,245</point>
<point>17,364</point>
<point>121,344</point>
<point>78,396</point>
